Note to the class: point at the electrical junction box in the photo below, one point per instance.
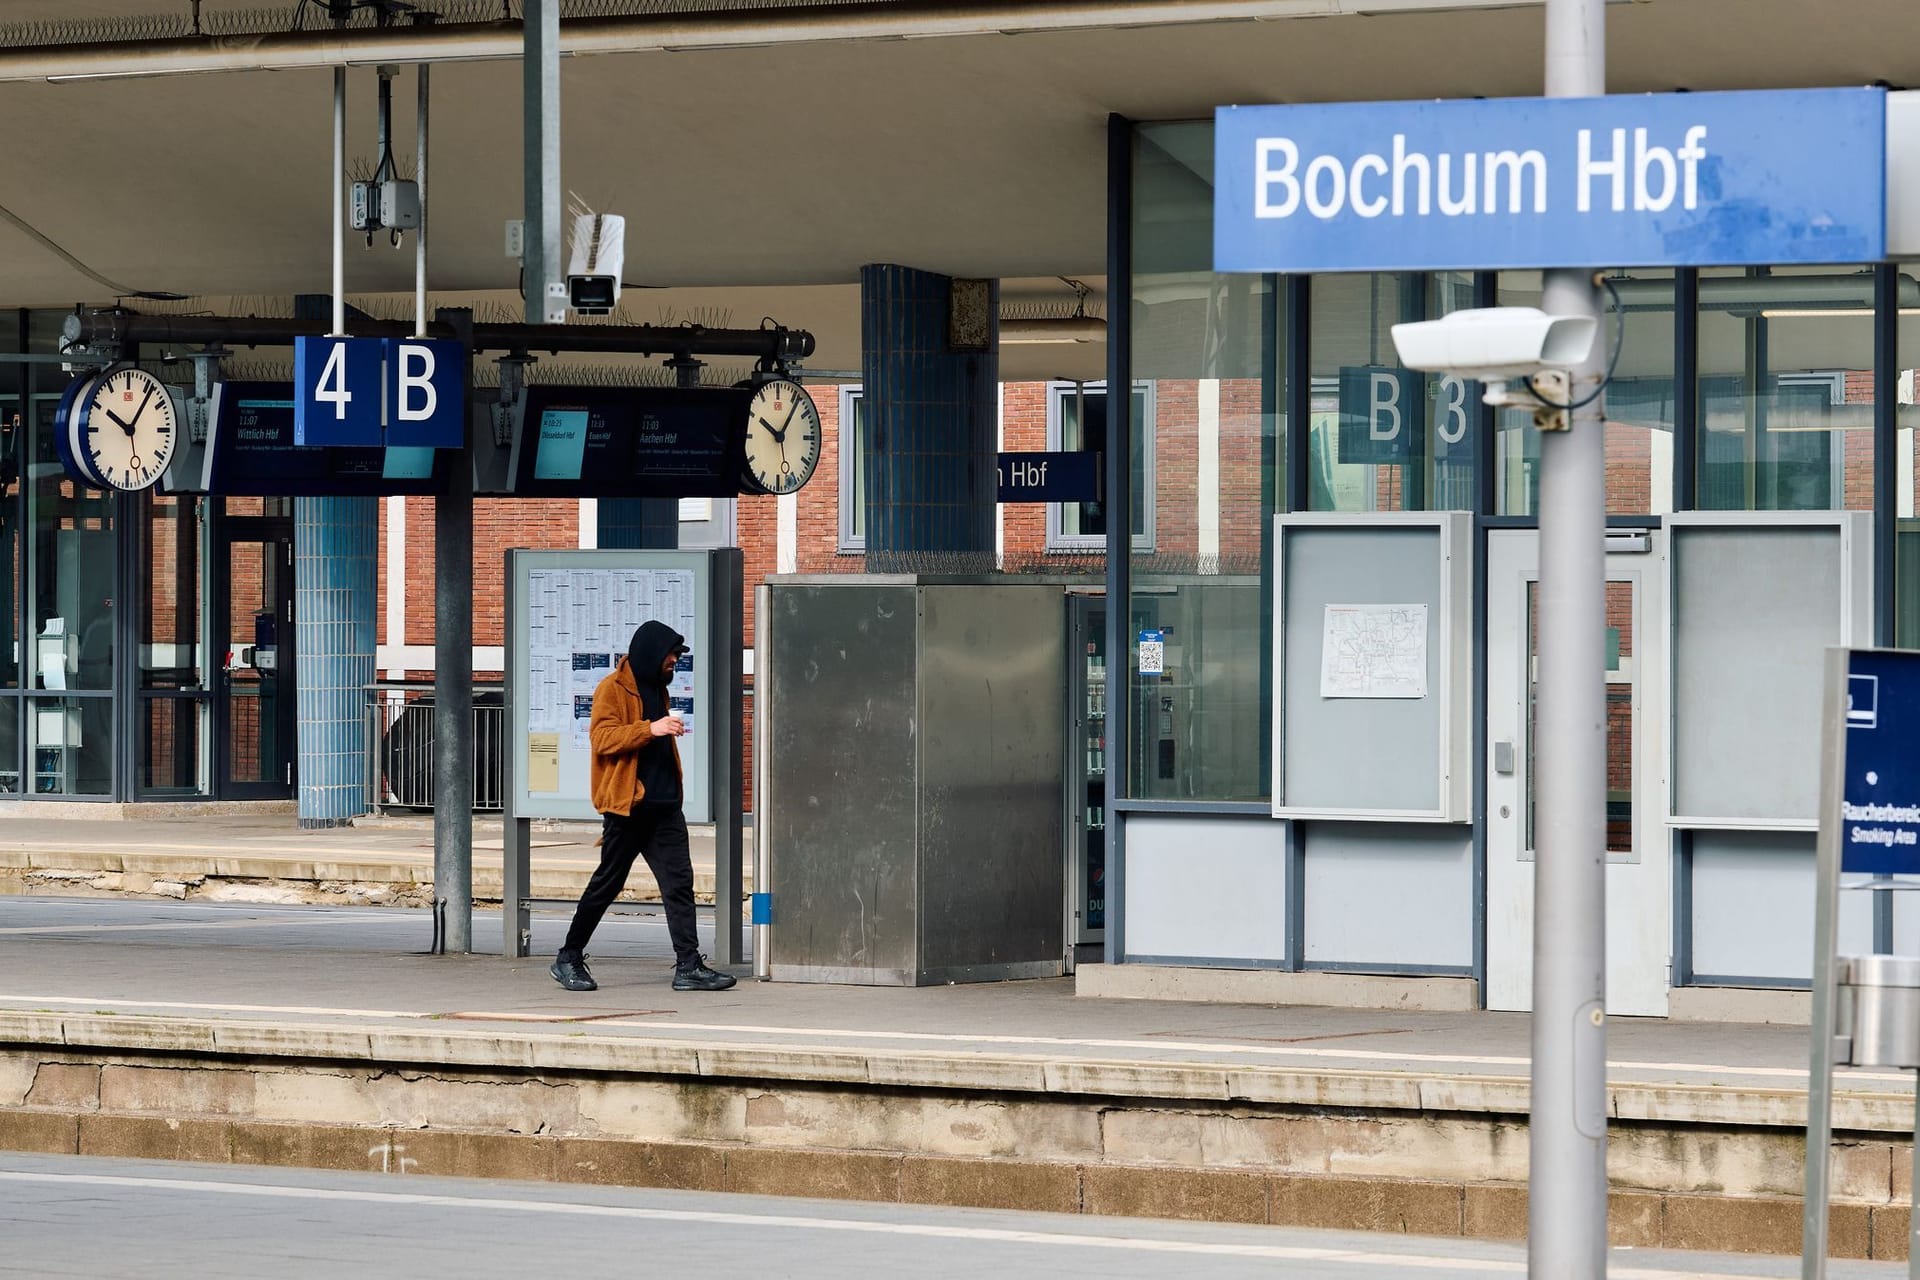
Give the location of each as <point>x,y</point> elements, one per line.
<point>360,210</point>
<point>399,204</point>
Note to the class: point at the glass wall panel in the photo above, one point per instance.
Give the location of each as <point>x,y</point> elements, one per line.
<point>70,745</point>
<point>1639,402</point>
<point>10,766</point>
<point>69,564</point>
<point>170,746</point>
<point>170,649</point>
<point>1907,450</point>
<point>1202,344</point>
<point>12,441</point>
<point>1786,389</point>
<point>1385,438</point>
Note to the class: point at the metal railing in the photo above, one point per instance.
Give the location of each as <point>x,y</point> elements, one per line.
<point>399,745</point>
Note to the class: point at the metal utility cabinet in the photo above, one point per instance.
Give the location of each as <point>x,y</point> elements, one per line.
<point>910,772</point>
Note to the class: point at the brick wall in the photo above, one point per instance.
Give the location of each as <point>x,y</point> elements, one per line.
<point>498,525</point>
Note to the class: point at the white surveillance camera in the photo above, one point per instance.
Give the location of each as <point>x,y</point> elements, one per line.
<point>595,264</point>
<point>1495,343</point>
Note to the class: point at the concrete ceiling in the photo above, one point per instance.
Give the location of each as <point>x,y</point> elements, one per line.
<point>758,169</point>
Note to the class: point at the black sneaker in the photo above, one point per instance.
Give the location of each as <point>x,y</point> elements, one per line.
<point>571,973</point>
<point>697,977</point>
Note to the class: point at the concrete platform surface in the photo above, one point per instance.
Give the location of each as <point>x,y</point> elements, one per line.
<point>265,856</point>
<point>316,967</point>
<point>324,1037</point>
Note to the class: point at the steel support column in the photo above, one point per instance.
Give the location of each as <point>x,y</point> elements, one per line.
<point>1567,1129</point>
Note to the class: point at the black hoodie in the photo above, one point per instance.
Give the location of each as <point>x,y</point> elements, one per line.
<point>658,761</point>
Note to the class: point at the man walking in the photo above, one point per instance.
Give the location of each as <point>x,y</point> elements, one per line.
<point>636,784</point>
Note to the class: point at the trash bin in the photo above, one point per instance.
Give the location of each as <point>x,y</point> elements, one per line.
<point>1878,1010</point>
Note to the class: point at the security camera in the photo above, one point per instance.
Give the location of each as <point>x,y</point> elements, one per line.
<point>594,265</point>
<point>1495,343</point>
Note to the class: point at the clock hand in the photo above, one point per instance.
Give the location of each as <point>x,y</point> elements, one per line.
<point>122,422</point>
<point>772,430</point>
<point>144,402</point>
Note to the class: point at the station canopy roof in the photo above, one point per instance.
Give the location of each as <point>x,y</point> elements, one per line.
<point>760,151</point>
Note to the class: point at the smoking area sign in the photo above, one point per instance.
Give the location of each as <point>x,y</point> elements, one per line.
<point>1880,808</point>
<point>1630,180</point>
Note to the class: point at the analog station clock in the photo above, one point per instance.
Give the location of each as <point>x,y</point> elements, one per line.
<point>783,437</point>
<point>124,429</point>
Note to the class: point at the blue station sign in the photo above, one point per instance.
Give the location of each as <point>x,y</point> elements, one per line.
<point>1880,811</point>
<point>360,392</point>
<point>1682,179</point>
<point>1066,476</point>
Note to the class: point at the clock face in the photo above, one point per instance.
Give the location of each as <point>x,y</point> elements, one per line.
<point>128,429</point>
<point>783,437</point>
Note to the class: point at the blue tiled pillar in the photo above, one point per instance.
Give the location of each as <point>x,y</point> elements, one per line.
<point>931,427</point>
<point>639,523</point>
<point>335,564</point>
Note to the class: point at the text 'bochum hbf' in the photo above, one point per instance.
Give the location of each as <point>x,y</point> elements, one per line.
<point>1634,180</point>
<point>1607,172</point>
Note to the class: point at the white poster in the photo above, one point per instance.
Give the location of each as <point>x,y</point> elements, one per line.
<point>1374,651</point>
<point>578,625</point>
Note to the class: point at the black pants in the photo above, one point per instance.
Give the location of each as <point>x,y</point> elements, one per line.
<point>659,834</point>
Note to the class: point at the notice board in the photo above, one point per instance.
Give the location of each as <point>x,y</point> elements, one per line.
<point>1373,647</point>
<point>570,617</point>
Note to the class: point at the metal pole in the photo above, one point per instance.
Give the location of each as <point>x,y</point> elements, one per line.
<point>540,76</point>
<point>762,825</point>
<point>339,202</point>
<point>453,737</point>
<point>1826,928</point>
<point>1567,1171</point>
<point>420,236</point>
<point>725,768</point>
<point>516,842</point>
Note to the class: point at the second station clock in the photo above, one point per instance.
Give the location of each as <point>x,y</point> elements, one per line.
<point>783,437</point>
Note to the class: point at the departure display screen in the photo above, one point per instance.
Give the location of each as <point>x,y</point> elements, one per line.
<point>250,450</point>
<point>630,442</point>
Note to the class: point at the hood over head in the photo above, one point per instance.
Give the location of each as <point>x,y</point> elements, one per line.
<point>651,644</point>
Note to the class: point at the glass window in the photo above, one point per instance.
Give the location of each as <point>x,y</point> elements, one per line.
<point>70,745</point>
<point>170,649</point>
<point>1907,451</point>
<point>1077,423</point>
<point>853,470</point>
<point>170,746</point>
<point>69,562</point>
<point>1639,402</point>
<point>1385,438</point>
<point>1204,346</point>
<point>10,745</point>
<point>1786,389</point>
<point>12,441</point>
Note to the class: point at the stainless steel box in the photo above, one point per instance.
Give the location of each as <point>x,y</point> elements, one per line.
<point>912,778</point>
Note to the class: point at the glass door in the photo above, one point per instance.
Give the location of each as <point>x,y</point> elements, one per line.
<point>1086,775</point>
<point>254,703</point>
<point>1639,885</point>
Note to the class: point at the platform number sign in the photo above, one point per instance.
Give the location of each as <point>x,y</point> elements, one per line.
<point>379,391</point>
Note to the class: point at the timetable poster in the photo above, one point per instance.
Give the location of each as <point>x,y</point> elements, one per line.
<point>579,623</point>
